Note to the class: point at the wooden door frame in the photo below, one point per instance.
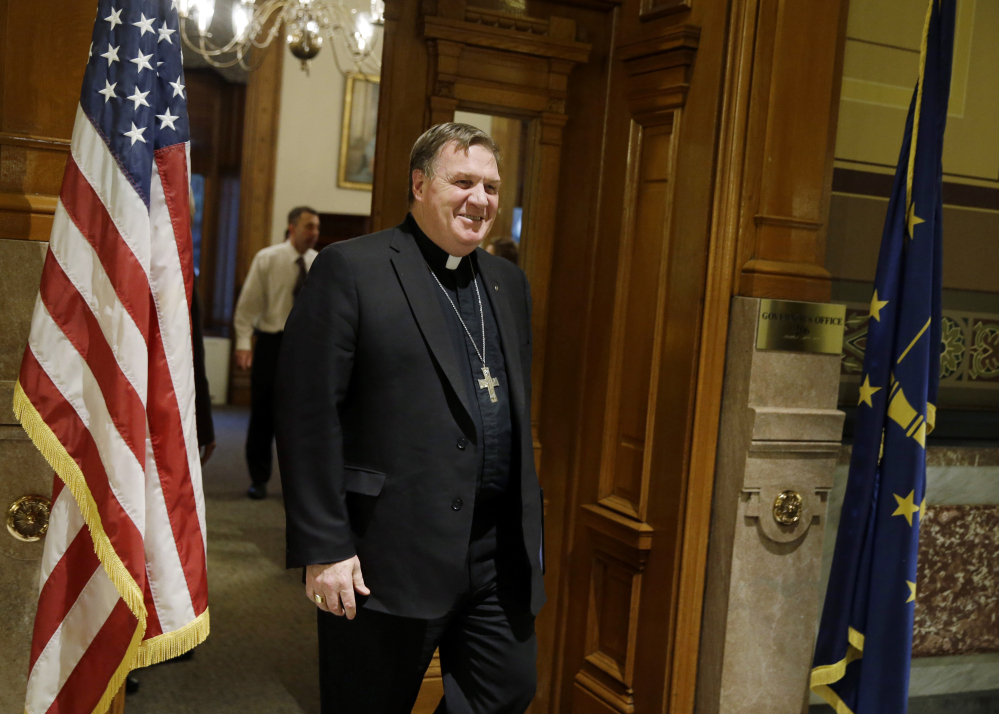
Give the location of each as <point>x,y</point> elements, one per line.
<point>464,45</point>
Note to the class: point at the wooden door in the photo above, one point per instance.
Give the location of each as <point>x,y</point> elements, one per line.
<point>638,464</point>
<point>630,285</point>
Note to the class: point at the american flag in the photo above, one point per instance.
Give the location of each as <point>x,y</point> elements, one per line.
<point>106,388</point>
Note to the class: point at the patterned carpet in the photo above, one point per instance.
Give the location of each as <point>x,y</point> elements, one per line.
<point>261,653</point>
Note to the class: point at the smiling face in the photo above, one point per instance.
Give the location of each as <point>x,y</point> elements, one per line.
<point>457,206</point>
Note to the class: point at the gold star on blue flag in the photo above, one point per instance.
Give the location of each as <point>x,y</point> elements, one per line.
<point>864,644</point>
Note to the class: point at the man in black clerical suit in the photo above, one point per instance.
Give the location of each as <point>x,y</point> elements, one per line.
<point>404,438</point>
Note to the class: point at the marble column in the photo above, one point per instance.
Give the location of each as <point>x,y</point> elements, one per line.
<point>23,471</point>
<point>780,434</point>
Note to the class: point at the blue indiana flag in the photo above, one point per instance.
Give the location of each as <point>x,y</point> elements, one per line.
<point>864,643</point>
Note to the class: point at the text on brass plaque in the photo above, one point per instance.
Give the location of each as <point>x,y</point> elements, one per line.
<point>800,326</point>
<point>787,508</point>
<point>28,518</point>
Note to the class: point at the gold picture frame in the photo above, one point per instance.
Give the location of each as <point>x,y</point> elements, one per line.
<point>357,132</point>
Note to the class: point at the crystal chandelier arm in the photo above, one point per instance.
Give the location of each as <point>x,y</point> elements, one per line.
<point>347,31</point>
<point>261,17</point>
<point>271,34</point>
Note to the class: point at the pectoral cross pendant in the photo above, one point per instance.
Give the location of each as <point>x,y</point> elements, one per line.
<point>489,383</point>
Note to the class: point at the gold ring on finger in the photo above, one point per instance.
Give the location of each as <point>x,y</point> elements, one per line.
<point>319,599</point>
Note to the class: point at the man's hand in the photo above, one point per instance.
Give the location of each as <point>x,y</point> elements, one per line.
<point>244,359</point>
<point>336,583</point>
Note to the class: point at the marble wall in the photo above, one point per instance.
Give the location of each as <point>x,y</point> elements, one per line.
<point>957,606</point>
<point>23,471</point>
<point>959,480</point>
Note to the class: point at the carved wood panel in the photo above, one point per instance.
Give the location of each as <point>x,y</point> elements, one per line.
<point>630,541</point>
<point>796,73</point>
<point>620,548</point>
<point>644,255</point>
<point>41,91</point>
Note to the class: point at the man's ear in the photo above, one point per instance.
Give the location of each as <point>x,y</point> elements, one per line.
<point>419,181</point>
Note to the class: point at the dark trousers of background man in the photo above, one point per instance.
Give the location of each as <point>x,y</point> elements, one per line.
<point>260,435</point>
<point>374,664</point>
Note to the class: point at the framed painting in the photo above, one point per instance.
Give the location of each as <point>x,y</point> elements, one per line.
<point>357,137</point>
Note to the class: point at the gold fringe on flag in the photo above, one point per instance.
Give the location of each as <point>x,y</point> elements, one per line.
<point>139,654</point>
<point>173,644</point>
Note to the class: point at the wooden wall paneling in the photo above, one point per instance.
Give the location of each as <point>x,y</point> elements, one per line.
<point>230,168</point>
<point>619,548</point>
<point>574,261</point>
<point>661,78</point>
<point>656,78</point>
<point>537,244</point>
<point>401,115</point>
<point>637,322</point>
<point>259,160</point>
<point>652,9</point>
<point>204,111</point>
<point>720,281</point>
<point>679,504</point>
<point>508,134</point>
<point>41,90</point>
<point>216,109</point>
<point>257,173</point>
<point>573,465</point>
<point>443,68</point>
<point>795,101</point>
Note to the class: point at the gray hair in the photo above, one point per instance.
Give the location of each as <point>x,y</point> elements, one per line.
<point>429,146</point>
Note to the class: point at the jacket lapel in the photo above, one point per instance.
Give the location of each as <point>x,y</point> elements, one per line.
<point>419,288</point>
<point>499,297</point>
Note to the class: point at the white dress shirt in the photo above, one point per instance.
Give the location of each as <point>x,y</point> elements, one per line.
<point>266,298</point>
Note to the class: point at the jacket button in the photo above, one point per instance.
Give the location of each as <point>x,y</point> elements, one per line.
<point>456,504</point>
<point>462,443</point>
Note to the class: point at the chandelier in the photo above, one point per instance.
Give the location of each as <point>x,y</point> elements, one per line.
<point>353,35</point>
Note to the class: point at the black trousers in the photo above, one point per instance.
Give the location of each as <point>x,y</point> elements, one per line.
<point>260,435</point>
<point>374,664</point>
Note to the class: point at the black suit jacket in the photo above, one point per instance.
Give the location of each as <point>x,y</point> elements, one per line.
<point>379,454</point>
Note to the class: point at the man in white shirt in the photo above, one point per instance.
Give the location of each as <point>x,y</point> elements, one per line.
<point>275,278</point>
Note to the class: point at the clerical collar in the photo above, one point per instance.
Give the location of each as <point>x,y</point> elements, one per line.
<point>435,256</point>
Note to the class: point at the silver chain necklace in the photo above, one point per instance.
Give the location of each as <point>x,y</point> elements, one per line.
<point>488,381</point>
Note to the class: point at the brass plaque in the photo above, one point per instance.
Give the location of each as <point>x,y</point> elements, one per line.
<point>800,326</point>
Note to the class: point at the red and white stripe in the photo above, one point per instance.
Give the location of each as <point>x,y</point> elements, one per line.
<point>108,371</point>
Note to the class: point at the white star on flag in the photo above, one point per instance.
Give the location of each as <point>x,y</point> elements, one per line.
<point>178,88</point>
<point>139,98</point>
<point>165,33</point>
<point>167,120</point>
<point>142,61</point>
<point>90,52</point>
<point>144,24</point>
<point>111,54</point>
<point>114,18</point>
<point>135,134</point>
<point>108,91</point>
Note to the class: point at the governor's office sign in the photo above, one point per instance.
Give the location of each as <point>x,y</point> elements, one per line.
<point>800,326</point>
